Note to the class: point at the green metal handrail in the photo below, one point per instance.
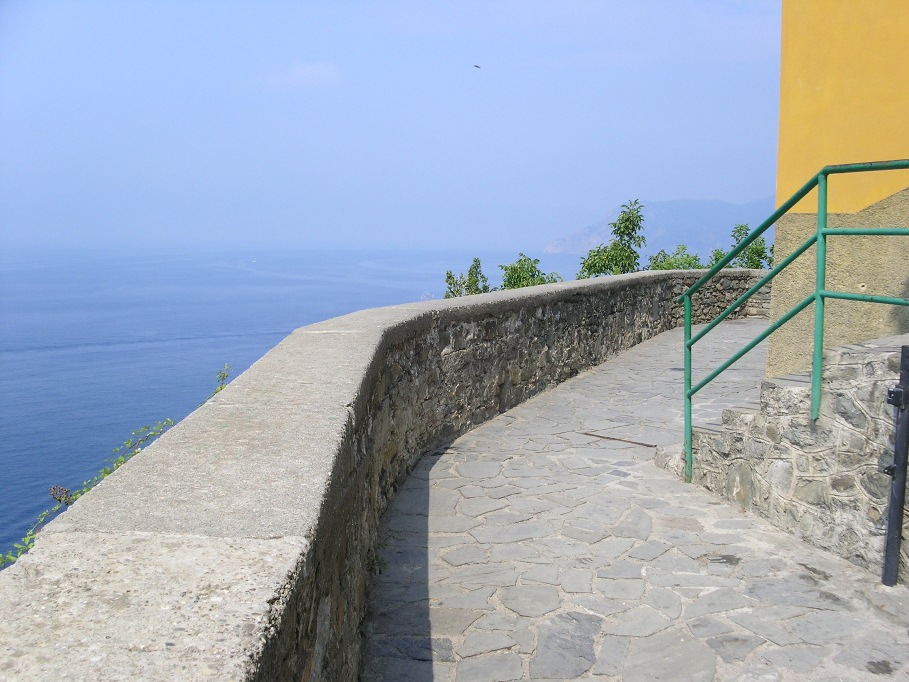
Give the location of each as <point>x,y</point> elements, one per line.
<point>818,297</point>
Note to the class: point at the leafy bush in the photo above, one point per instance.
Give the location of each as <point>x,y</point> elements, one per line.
<point>525,272</point>
<point>757,255</point>
<point>620,255</point>
<point>474,282</point>
<point>679,259</point>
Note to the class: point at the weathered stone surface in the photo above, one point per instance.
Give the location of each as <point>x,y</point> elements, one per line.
<point>640,622</point>
<point>734,648</point>
<point>756,584</point>
<point>477,506</point>
<point>876,484</point>
<point>707,627</point>
<point>621,588</point>
<point>491,668</point>
<point>406,670</point>
<point>799,658</point>
<point>649,550</point>
<point>877,654</point>
<point>635,524</point>
<point>666,601</point>
<point>565,646</point>
<point>812,492</point>
<point>766,626</point>
<point>481,469</point>
<point>780,476</point>
<point>739,484</point>
<point>480,642</point>
<point>417,621</point>
<point>621,569</point>
<point>576,581</point>
<point>512,533</point>
<point>670,655</point>
<point>823,627</point>
<point>717,601</point>
<point>415,648</point>
<point>479,575</point>
<point>465,555</point>
<point>790,593</point>
<point>531,600</point>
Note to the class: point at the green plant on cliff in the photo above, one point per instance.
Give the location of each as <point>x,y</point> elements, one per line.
<point>679,259</point>
<point>474,282</point>
<point>525,272</point>
<point>621,254</point>
<point>64,497</point>
<point>757,255</point>
<point>222,377</point>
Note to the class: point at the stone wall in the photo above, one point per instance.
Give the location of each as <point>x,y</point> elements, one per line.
<point>822,480</point>
<point>239,545</point>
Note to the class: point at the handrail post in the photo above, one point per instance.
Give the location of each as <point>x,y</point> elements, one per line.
<point>898,396</point>
<point>687,389</point>
<point>820,287</point>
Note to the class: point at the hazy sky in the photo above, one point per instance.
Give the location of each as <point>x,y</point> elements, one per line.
<point>336,123</point>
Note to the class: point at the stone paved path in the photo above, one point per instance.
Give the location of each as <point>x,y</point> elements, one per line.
<point>546,545</point>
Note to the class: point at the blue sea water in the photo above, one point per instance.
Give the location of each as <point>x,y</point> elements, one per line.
<point>94,345</point>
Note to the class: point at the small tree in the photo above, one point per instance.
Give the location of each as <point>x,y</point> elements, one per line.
<point>715,257</point>
<point>525,272</point>
<point>755,256</point>
<point>621,254</point>
<point>474,282</point>
<point>679,259</point>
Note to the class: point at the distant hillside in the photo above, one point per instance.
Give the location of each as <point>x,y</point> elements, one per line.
<point>703,225</point>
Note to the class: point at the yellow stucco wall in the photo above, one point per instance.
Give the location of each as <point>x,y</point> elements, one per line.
<point>861,265</point>
<point>844,98</point>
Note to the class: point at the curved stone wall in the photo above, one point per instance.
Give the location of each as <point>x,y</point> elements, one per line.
<point>240,544</point>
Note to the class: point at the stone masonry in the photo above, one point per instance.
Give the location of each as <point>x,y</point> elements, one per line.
<point>545,545</point>
<point>821,481</point>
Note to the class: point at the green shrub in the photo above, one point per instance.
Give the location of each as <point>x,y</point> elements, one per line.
<point>757,255</point>
<point>525,272</point>
<point>679,259</point>
<point>474,282</point>
<point>620,255</point>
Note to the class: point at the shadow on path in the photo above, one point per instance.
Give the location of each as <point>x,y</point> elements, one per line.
<point>545,545</point>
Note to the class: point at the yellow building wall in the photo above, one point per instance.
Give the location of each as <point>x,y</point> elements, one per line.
<point>844,98</point>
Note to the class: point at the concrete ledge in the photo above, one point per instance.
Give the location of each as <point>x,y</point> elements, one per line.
<point>239,545</point>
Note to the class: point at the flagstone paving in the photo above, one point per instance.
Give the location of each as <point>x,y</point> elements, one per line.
<point>546,545</point>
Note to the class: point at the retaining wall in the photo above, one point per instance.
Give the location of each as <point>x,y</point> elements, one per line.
<point>239,545</point>
<point>820,480</point>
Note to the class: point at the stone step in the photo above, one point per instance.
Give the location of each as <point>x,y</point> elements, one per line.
<point>790,394</point>
<point>820,480</point>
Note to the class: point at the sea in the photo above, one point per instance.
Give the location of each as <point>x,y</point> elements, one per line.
<point>97,343</point>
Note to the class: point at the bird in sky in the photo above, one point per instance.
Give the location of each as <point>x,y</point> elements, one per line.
<point>476,66</point>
